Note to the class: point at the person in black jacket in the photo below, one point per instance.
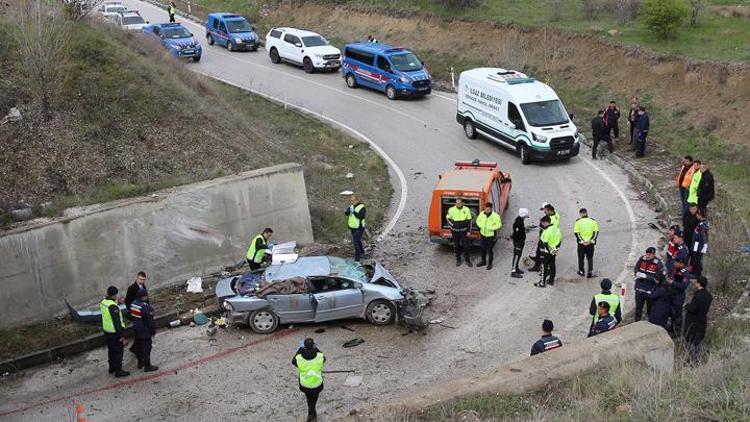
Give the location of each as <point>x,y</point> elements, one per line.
<point>689,223</point>
<point>633,117</point>
<point>519,239</point>
<point>611,116</point>
<point>548,341</point>
<point>599,132</point>
<point>705,189</point>
<point>644,124</point>
<point>143,324</point>
<point>659,305</point>
<point>696,318</point>
<point>308,352</point>
<point>133,289</point>
<point>677,283</point>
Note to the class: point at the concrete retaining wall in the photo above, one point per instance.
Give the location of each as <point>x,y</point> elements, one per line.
<point>178,233</point>
<point>641,341</point>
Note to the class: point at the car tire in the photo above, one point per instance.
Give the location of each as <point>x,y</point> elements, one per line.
<point>274,54</point>
<point>254,49</point>
<point>524,152</point>
<point>230,47</point>
<point>263,321</point>
<point>351,81</point>
<point>381,312</point>
<point>196,58</point>
<point>391,93</point>
<point>307,65</point>
<point>210,39</point>
<point>469,129</point>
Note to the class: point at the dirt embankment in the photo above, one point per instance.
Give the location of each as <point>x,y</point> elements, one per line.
<point>690,100</point>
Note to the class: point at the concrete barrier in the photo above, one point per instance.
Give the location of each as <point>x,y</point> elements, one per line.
<point>173,235</point>
<point>641,342</point>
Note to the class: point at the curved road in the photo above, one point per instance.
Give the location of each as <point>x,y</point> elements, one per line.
<point>495,318</point>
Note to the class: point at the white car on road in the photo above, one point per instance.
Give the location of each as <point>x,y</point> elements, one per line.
<point>110,10</point>
<point>130,21</point>
<point>300,47</point>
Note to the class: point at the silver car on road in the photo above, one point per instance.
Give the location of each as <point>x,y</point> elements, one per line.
<point>326,288</point>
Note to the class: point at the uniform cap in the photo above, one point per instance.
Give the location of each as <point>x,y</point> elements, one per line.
<point>675,227</point>
<point>112,290</point>
<point>547,325</point>
<point>606,284</point>
<point>544,205</point>
<point>678,232</point>
<point>523,212</point>
<point>650,249</point>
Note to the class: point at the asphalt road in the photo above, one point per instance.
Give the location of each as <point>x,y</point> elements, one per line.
<point>494,318</point>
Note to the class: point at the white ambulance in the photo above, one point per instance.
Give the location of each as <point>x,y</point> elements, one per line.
<point>517,112</point>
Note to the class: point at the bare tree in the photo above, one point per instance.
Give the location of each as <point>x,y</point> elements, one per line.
<point>696,8</point>
<point>42,33</point>
<point>79,9</point>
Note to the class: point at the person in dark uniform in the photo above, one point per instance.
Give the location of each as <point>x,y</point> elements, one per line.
<point>647,271</point>
<point>605,296</point>
<point>611,117</point>
<point>143,325</point>
<point>696,318</point>
<point>606,321</point>
<point>699,247</point>
<point>548,341</point>
<point>671,248</point>
<point>131,295</point>
<point>643,126</point>
<point>689,223</point>
<point>681,252</point>
<point>519,239</point>
<point>659,305</point>
<point>599,133</point>
<point>113,325</point>
<point>678,282</point>
<point>310,362</point>
<point>459,218</point>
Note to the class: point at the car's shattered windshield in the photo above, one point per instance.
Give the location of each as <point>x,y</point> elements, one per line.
<point>348,268</point>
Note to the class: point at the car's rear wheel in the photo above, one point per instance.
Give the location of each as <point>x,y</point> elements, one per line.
<point>390,92</point>
<point>525,159</point>
<point>274,54</point>
<point>263,322</point>
<point>307,65</point>
<point>351,82</point>
<point>381,312</point>
<point>210,39</point>
<point>469,129</point>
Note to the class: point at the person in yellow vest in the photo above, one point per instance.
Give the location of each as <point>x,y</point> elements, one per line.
<point>356,214</point>
<point>172,10</point>
<point>586,231</point>
<point>694,182</point>
<point>257,250</point>
<point>459,219</point>
<point>605,296</point>
<point>549,210</point>
<point>310,362</point>
<point>113,325</point>
<point>549,245</point>
<point>489,223</point>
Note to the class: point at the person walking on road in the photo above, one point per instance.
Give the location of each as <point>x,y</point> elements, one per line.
<point>696,318</point>
<point>145,329</point>
<point>648,270</point>
<point>644,124</point>
<point>705,189</point>
<point>459,218</point>
<point>113,325</point>
<point>684,178</point>
<point>256,253</point>
<point>310,363</point>
<point>605,296</point>
<point>699,246</point>
<point>606,321</point>
<point>172,10</point>
<point>599,133</point>
<point>549,241</point>
<point>519,239</point>
<point>356,213</point>
<point>586,230</point>
<point>633,118</point>
<point>611,117</point>
<point>677,283</point>
<point>489,223</point>
<point>548,341</point>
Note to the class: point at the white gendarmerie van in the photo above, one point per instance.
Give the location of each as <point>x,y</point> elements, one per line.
<point>517,112</point>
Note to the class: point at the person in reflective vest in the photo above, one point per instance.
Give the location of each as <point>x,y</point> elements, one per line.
<point>356,213</point>
<point>647,271</point>
<point>172,10</point>
<point>257,250</point>
<point>142,316</point>
<point>605,296</point>
<point>694,182</point>
<point>488,222</point>
<point>459,219</point>
<point>554,216</point>
<point>684,179</point>
<point>549,244</point>
<point>310,362</point>
<point>113,325</point>
<point>586,230</point>
<point>606,321</point>
<point>548,341</point>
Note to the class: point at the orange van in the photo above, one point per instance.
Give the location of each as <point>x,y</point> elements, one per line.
<point>476,182</point>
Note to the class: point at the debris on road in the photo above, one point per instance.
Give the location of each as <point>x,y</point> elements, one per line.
<point>346,193</point>
<point>211,331</point>
<point>13,116</point>
<point>349,175</point>
<point>412,308</point>
<point>175,323</point>
<point>199,318</point>
<point>354,342</point>
<point>353,381</point>
<point>436,321</point>
<point>348,328</point>
<point>194,285</point>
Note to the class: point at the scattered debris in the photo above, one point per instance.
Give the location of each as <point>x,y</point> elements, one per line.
<point>448,326</point>
<point>349,175</point>
<point>653,226</point>
<point>13,116</point>
<point>346,193</point>
<point>347,328</point>
<point>194,285</point>
<point>745,248</point>
<point>436,321</point>
<point>219,322</point>
<point>200,318</point>
<point>354,342</point>
<point>211,331</point>
<point>175,323</point>
<point>22,213</point>
<point>353,381</point>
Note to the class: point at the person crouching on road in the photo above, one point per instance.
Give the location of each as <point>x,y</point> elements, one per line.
<point>310,362</point>
<point>548,341</point>
<point>256,253</point>
<point>488,222</point>
<point>356,213</point>
<point>586,231</point>
<point>459,218</point>
<point>144,327</point>
<point>605,296</point>
<point>549,242</point>
<point>113,325</point>
<point>606,321</point>
<point>519,239</point>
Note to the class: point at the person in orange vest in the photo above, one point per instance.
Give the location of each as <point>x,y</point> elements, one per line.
<point>684,178</point>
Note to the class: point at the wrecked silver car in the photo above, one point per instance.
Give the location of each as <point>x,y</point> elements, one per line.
<point>311,289</point>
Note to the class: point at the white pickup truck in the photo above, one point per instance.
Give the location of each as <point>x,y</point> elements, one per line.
<point>300,47</point>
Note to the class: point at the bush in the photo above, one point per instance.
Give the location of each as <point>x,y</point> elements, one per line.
<point>590,9</point>
<point>663,17</point>
<point>625,11</point>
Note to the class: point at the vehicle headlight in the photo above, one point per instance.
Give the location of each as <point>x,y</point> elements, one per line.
<point>539,138</point>
<point>319,55</point>
<point>177,46</point>
<point>404,79</point>
<point>238,40</point>
<point>575,135</point>
<point>227,306</point>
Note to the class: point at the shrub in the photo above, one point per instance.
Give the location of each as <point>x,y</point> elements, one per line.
<point>590,9</point>
<point>663,17</point>
<point>625,11</point>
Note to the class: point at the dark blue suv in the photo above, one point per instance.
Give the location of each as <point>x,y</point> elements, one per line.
<point>231,31</point>
<point>396,71</point>
<point>176,38</point>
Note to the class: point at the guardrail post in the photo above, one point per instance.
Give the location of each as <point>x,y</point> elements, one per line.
<point>453,79</point>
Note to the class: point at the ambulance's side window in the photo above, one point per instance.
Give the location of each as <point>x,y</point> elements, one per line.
<point>515,117</point>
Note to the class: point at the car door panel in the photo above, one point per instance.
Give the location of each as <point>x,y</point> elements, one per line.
<point>292,308</point>
<point>338,304</point>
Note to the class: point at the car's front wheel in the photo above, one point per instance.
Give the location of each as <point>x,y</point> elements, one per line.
<point>196,58</point>
<point>307,65</point>
<point>210,39</point>
<point>263,322</point>
<point>390,92</point>
<point>524,152</point>
<point>230,46</point>
<point>381,312</point>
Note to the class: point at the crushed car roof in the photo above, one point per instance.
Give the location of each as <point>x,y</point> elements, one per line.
<point>317,266</point>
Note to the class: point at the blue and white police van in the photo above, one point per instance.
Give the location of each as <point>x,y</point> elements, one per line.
<point>393,70</point>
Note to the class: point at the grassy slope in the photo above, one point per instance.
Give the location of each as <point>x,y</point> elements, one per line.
<point>131,121</point>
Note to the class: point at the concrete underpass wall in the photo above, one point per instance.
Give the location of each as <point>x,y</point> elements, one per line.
<point>178,233</point>
<point>642,342</point>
